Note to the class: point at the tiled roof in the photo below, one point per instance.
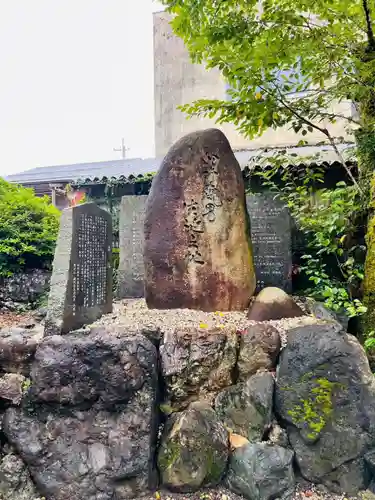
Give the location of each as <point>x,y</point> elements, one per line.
<point>139,166</point>
<point>100,169</point>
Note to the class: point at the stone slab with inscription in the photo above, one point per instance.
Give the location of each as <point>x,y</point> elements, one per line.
<point>197,249</point>
<point>271,239</point>
<point>131,267</point>
<point>81,283</point>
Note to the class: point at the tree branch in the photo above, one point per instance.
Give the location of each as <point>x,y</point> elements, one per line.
<point>324,131</point>
<point>342,161</point>
<point>370,32</point>
<point>294,112</point>
<point>333,116</point>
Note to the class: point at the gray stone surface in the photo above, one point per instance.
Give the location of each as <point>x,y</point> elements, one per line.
<point>259,349</point>
<point>350,477</point>
<point>325,392</point>
<point>15,480</point>
<point>24,288</point>
<point>87,429</point>
<point>271,239</point>
<point>246,409</point>
<point>278,436</point>
<point>261,471</point>
<point>194,449</point>
<point>131,266</point>
<point>12,386</point>
<point>17,349</point>
<point>81,283</point>
<point>197,364</point>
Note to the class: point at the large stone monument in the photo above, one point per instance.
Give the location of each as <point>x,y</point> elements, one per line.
<point>81,283</point>
<point>271,238</point>
<point>131,268</point>
<point>197,251</point>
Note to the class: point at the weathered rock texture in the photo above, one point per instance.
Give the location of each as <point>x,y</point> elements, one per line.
<point>272,304</point>
<point>23,288</point>
<point>17,349</point>
<point>259,349</point>
<point>11,387</point>
<point>194,449</point>
<point>88,428</point>
<point>261,471</point>
<point>246,409</point>
<point>326,394</point>
<point>197,250</point>
<point>15,480</point>
<point>197,364</point>
<point>320,311</point>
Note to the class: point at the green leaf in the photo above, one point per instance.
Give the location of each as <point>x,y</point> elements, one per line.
<point>28,229</point>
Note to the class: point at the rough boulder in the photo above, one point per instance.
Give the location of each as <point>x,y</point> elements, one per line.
<point>197,249</point>
<point>259,349</point>
<point>17,349</point>
<point>262,472</point>
<point>325,393</point>
<point>197,364</point>
<point>246,409</point>
<point>87,428</point>
<point>194,449</point>
<point>272,304</point>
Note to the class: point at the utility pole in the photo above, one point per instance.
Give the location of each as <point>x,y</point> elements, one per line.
<point>123,149</point>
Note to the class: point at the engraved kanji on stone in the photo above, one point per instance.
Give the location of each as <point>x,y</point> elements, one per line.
<point>271,238</point>
<point>81,283</point>
<point>131,267</point>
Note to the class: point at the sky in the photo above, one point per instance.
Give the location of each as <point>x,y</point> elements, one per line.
<point>76,77</point>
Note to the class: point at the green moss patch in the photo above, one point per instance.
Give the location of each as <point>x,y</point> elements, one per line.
<point>317,410</point>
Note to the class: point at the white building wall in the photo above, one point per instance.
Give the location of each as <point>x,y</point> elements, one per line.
<point>178,81</point>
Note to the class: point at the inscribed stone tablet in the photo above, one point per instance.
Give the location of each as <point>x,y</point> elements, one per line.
<point>271,240</point>
<point>197,249</point>
<point>81,283</point>
<point>131,266</point>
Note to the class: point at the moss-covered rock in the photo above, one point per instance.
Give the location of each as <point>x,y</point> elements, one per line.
<point>246,408</point>
<point>325,392</point>
<point>197,364</point>
<point>194,449</point>
<point>369,280</point>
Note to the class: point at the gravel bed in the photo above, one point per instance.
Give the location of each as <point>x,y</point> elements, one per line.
<point>218,493</point>
<point>303,491</point>
<point>134,313</point>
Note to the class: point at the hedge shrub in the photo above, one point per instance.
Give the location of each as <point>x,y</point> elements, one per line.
<point>28,229</point>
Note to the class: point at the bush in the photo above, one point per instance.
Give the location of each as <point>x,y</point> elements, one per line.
<point>28,229</point>
<point>329,221</point>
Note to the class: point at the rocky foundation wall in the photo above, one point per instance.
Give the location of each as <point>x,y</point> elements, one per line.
<point>111,412</point>
<point>23,289</point>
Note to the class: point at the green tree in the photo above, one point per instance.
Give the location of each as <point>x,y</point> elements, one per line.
<point>28,229</point>
<point>286,61</point>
